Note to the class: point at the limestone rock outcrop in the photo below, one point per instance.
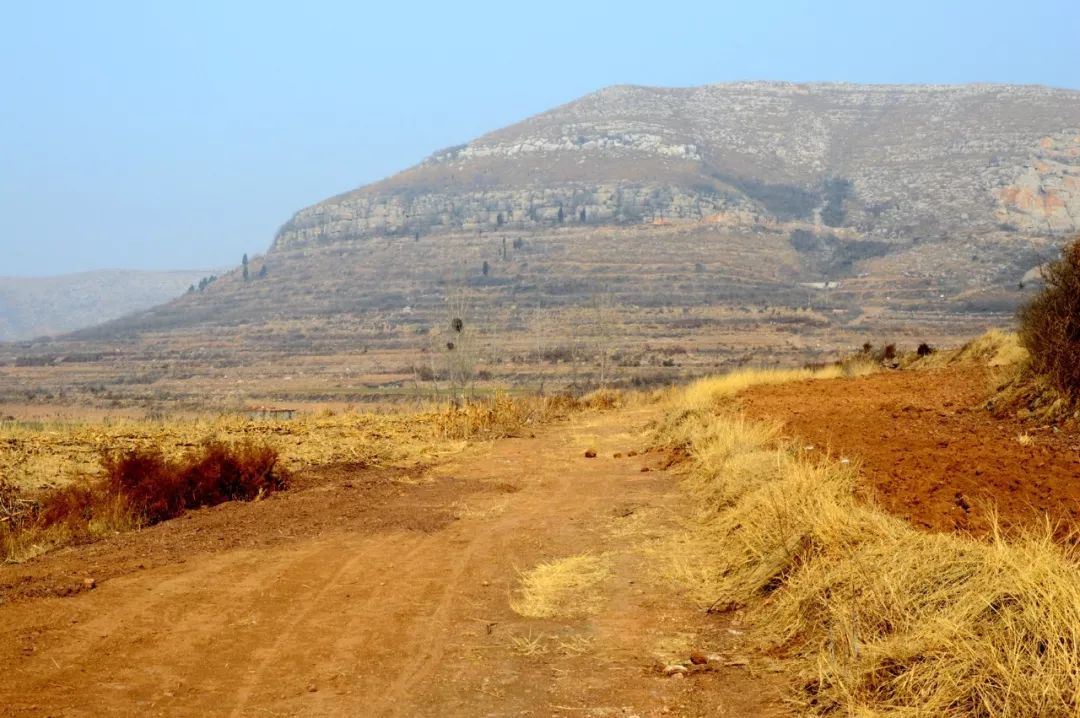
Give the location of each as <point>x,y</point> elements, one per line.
<point>887,161</point>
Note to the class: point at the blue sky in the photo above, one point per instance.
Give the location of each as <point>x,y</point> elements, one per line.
<point>181,135</point>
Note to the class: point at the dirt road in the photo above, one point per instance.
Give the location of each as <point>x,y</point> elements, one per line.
<point>366,593</point>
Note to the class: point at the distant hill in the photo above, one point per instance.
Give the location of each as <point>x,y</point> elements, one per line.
<point>690,229</point>
<point>928,198</point>
<point>37,306</point>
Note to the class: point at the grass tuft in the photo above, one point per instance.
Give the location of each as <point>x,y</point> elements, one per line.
<point>567,588</point>
<point>503,415</point>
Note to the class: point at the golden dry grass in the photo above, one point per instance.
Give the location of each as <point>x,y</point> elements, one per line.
<point>36,458</point>
<point>567,587</point>
<point>35,455</point>
<point>995,348</point>
<point>707,392</point>
<point>110,517</point>
<point>883,619</point>
<point>505,415</point>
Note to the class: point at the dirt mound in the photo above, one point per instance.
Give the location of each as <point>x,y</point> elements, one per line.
<point>931,453</point>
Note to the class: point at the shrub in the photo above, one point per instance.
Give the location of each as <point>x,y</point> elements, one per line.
<point>159,489</point>
<point>72,514</point>
<point>924,350</point>
<point>73,505</point>
<point>1050,323</point>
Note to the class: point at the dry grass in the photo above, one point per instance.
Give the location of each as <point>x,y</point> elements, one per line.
<point>141,488</point>
<point>995,348</point>
<point>713,390</point>
<point>49,464</point>
<point>40,455</point>
<point>43,455</point>
<point>505,415</point>
<point>884,619</point>
<point>567,588</point>
<point>529,645</point>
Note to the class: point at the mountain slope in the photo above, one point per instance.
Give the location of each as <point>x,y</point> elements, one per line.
<point>891,161</point>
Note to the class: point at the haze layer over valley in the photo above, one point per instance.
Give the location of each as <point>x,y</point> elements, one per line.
<point>37,306</point>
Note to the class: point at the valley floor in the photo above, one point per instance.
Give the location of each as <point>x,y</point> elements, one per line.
<point>393,592</point>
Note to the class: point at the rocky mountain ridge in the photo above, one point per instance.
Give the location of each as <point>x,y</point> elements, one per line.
<point>893,162</point>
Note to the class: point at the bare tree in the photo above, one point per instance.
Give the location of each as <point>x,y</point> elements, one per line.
<point>604,318</point>
<point>458,344</point>
<point>539,328</point>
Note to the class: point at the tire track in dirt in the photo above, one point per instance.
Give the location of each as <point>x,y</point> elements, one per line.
<point>287,634</point>
<point>525,505</point>
<point>115,612</point>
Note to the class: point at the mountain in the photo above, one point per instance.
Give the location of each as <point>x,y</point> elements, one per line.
<point>888,161</point>
<point>37,306</point>
<point>652,232</point>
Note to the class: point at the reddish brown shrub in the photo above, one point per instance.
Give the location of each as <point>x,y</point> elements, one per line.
<point>159,489</point>
<point>1050,323</point>
<point>141,487</point>
<point>73,505</point>
<point>151,483</point>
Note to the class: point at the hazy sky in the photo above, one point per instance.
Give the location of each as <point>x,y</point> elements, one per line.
<point>181,135</point>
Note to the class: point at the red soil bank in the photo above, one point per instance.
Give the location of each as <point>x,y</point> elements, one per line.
<point>930,451</point>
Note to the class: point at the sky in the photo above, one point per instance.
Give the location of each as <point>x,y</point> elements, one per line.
<point>181,135</point>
